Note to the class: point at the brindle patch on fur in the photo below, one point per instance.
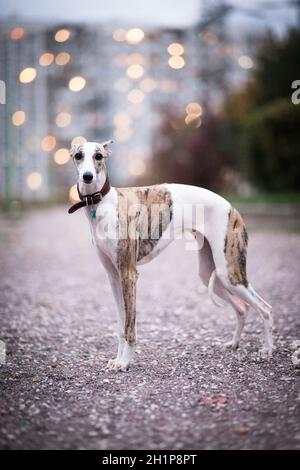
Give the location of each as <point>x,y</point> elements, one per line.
<point>235,248</point>
<point>144,212</point>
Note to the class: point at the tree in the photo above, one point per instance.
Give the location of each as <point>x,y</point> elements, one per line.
<point>264,122</point>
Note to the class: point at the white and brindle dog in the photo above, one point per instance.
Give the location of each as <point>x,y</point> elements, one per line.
<point>129,227</point>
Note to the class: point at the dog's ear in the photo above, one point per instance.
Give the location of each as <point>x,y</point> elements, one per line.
<point>73,150</point>
<point>105,146</point>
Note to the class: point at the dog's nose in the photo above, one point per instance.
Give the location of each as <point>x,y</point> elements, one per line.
<point>87,176</point>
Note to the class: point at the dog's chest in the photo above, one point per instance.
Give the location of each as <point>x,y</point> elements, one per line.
<point>103,225</point>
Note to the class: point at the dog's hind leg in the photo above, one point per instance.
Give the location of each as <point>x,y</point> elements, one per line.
<point>264,312</point>
<point>241,309</point>
<point>206,273</point>
<point>231,273</point>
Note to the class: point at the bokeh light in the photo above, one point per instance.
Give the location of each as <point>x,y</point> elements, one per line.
<point>46,59</point>
<point>135,71</point>
<point>17,33</point>
<point>63,58</point>
<point>119,35</point>
<point>73,194</point>
<point>193,120</point>
<point>148,85</point>
<point>245,62</point>
<point>134,35</point>
<point>18,118</point>
<point>27,75</point>
<point>176,62</point>
<point>194,108</point>
<point>77,83</point>
<point>62,35</point>
<point>48,143</point>
<point>135,96</point>
<point>78,140</point>
<point>34,180</point>
<point>61,156</point>
<point>63,119</point>
<point>176,49</point>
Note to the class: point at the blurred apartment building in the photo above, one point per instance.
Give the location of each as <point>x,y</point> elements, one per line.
<point>66,82</point>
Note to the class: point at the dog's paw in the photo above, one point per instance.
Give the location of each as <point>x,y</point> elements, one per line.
<point>123,366</point>
<point>115,365</point>
<point>111,365</point>
<point>233,345</point>
<point>265,353</point>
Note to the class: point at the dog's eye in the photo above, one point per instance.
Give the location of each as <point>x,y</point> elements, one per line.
<point>78,156</point>
<point>98,156</point>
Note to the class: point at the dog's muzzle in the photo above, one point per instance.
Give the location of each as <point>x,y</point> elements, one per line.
<point>87,177</point>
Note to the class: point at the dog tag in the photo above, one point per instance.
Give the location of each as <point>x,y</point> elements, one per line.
<point>93,213</point>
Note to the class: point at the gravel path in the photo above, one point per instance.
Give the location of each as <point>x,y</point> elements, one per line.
<point>184,390</point>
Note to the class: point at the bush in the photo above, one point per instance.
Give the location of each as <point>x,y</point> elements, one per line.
<point>190,156</point>
<point>271,144</point>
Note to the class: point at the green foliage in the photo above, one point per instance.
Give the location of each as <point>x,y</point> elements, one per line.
<point>263,123</point>
<point>278,65</point>
<point>265,198</point>
<point>191,156</point>
<point>258,131</point>
<point>272,146</point>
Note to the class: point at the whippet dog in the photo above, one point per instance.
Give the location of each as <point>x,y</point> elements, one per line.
<point>131,226</point>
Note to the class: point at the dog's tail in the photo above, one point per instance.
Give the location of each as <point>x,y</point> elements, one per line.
<point>211,290</point>
<point>260,299</point>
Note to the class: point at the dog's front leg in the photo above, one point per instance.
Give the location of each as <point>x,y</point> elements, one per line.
<point>123,284</point>
<point>116,285</point>
<point>128,282</point>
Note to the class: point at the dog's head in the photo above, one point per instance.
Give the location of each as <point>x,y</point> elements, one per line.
<point>90,161</point>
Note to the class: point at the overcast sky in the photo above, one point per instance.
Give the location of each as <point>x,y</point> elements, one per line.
<point>138,12</point>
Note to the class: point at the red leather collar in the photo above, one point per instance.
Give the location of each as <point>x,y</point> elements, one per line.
<point>90,199</point>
